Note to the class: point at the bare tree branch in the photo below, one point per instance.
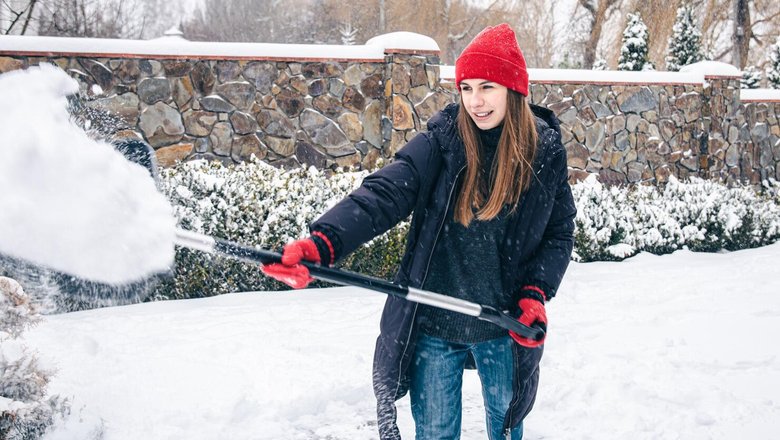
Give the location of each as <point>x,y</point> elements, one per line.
<point>29,16</point>
<point>466,31</point>
<point>470,27</point>
<point>588,5</point>
<point>17,15</point>
<point>770,18</point>
<point>723,53</point>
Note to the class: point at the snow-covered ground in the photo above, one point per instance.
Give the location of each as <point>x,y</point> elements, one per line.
<point>680,346</point>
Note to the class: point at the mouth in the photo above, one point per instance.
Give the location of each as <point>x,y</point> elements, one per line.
<point>482,115</point>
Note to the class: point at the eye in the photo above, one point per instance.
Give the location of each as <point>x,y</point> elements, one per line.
<point>487,86</point>
<point>465,88</point>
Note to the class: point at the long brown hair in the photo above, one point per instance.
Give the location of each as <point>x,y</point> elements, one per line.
<point>512,168</point>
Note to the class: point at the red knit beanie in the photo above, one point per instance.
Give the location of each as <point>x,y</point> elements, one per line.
<point>495,56</point>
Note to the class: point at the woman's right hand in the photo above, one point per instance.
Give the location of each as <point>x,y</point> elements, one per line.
<point>290,271</point>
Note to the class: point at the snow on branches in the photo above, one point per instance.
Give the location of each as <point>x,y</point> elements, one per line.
<point>26,412</point>
<point>701,215</point>
<point>773,65</point>
<point>685,42</point>
<point>751,78</point>
<point>633,51</point>
<point>257,204</point>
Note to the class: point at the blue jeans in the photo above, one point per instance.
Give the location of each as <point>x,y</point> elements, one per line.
<point>437,379</point>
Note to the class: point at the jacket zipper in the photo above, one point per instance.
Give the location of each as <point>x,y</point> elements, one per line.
<point>513,402</point>
<point>441,225</point>
<point>425,276</point>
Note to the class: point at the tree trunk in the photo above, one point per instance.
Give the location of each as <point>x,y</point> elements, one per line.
<point>382,21</point>
<point>599,13</point>
<point>742,32</point>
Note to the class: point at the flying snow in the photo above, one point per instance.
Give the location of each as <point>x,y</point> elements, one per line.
<point>70,202</point>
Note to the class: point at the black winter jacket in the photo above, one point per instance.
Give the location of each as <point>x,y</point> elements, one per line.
<point>423,180</point>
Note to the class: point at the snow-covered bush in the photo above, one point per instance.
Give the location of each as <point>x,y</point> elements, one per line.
<point>633,51</point>
<point>56,292</point>
<point>685,42</point>
<point>26,412</point>
<point>773,65</point>
<point>614,222</point>
<point>256,204</point>
<point>751,78</point>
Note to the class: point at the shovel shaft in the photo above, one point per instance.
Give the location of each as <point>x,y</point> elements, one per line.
<point>253,255</point>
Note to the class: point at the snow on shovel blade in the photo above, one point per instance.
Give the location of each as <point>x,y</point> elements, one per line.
<point>69,202</point>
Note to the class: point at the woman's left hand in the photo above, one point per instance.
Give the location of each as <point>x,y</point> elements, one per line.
<point>531,313</point>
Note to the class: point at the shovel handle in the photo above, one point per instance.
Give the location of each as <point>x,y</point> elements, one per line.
<point>253,255</point>
<point>502,319</point>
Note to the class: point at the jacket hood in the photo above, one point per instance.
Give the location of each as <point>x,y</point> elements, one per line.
<point>445,118</point>
<point>444,126</point>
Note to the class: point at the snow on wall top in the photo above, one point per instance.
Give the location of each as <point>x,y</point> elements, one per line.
<point>175,46</point>
<point>758,95</point>
<point>404,41</point>
<point>171,47</point>
<point>692,74</point>
<point>713,68</point>
<point>582,76</point>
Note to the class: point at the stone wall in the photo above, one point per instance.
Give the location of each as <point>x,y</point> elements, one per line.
<point>317,111</point>
<point>645,132</point>
<point>321,113</point>
<point>750,148</point>
<point>350,112</point>
<point>626,133</point>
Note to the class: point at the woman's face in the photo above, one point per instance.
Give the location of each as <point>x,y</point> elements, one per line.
<point>485,102</point>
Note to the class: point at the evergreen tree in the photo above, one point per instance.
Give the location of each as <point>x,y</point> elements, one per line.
<point>685,42</point>
<point>751,78</point>
<point>633,53</point>
<point>600,64</point>
<point>773,67</point>
<point>348,34</point>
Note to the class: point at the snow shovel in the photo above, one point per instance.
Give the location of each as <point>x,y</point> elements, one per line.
<point>237,251</point>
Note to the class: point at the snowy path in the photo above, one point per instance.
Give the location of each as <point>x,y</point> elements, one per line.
<point>679,346</point>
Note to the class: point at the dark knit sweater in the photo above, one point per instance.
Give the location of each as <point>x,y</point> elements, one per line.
<point>466,265</point>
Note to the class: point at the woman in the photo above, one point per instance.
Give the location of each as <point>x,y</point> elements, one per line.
<point>493,219</point>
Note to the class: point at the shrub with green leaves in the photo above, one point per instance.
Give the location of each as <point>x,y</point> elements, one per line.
<point>258,205</point>
<point>27,411</point>
<point>617,222</point>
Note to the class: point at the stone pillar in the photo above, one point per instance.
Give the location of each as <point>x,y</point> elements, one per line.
<point>719,151</point>
<point>413,91</point>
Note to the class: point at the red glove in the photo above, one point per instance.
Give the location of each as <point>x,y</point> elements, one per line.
<point>531,313</point>
<point>290,271</point>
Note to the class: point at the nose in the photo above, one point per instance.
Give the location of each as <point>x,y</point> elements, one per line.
<point>477,99</point>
